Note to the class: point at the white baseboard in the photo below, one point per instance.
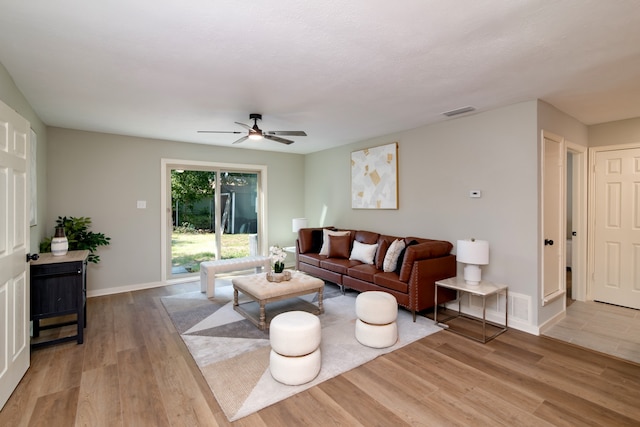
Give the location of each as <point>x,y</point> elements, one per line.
<point>549,323</point>
<point>138,287</point>
<point>519,310</point>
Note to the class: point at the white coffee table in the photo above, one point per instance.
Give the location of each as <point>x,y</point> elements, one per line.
<point>259,289</point>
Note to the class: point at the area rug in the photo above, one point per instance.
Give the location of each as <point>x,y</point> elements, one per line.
<point>233,354</point>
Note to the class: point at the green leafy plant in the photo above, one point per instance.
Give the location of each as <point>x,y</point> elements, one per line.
<point>79,236</point>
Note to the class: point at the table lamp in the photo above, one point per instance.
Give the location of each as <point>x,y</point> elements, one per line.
<point>474,253</point>
<point>298,223</point>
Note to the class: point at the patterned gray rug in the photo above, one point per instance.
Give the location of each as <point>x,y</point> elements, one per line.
<point>233,355</point>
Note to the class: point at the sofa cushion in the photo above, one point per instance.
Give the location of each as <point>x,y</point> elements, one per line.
<point>339,246</point>
<point>393,253</point>
<point>366,237</point>
<point>432,249</point>
<point>310,240</point>
<point>390,281</point>
<point>310,258</point>
<point>363,252</point>
<point>363,272</point>
<point>338,265</point>
<point>324,250</point>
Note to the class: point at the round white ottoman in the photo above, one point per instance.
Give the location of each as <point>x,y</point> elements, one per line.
<point>295,347</point>
<point>294,370</point>
<point>376,324</point>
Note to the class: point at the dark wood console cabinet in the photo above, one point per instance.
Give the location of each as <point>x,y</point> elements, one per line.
<point>58,288</point>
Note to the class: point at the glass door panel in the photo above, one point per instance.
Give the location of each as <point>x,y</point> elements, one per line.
<point>212,219</point>
<point>193,237</point>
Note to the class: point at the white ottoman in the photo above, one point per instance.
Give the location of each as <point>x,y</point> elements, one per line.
<point>376,324</point>
<point>295,347</point>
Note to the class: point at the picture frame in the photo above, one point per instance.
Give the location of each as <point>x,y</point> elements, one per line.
<point>374,177</point>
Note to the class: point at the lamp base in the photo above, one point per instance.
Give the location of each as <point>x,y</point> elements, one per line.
<point>472,274</point>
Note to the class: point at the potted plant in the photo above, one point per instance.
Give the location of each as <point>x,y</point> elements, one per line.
<point>79,236</point>
<point>278,256</point>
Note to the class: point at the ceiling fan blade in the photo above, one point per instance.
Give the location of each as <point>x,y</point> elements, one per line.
<point>278,139</point>
<point>218,131</point>
<point>240,140</point>
<point>287,132</point>
<point>244,125</point>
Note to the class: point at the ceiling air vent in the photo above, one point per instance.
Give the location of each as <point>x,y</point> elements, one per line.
<point>458,111</point>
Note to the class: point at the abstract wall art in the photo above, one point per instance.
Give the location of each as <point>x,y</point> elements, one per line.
<point>374,177</point>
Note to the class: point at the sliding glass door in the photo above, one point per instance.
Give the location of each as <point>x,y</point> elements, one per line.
<point>215,214</point>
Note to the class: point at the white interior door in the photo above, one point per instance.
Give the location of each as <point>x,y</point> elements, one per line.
<point>14,246</point>
<point>616,278</point>
<point>553,218</point>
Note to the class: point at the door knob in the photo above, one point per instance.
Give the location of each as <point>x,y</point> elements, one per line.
<point>548,242</point>
<point>32,257</point>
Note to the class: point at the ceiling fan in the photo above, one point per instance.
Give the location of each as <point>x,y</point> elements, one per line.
<point>256,133</point>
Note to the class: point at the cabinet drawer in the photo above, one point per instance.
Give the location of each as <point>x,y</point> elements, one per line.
<point>56,288</point>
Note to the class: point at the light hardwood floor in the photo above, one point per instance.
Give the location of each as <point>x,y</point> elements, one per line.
<point>134,370</point>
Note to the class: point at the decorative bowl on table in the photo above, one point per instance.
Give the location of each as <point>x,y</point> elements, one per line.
<point>278,277</point>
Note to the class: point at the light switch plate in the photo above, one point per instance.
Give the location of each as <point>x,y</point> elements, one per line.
<point>142,204</point>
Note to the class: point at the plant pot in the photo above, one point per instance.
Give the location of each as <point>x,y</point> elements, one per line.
<point>278,267</point>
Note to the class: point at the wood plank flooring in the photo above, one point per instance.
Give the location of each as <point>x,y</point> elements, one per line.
<point>134,370</point>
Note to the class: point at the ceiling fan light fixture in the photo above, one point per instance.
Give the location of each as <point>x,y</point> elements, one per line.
<point>256,134</point>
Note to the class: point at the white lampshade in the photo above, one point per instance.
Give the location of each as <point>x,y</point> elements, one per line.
<point>298,223</point>
<point>474,253</point>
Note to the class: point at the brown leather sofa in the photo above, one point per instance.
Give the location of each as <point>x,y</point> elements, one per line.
<point>413,282</point>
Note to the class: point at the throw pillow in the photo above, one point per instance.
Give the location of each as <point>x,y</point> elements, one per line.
<point>393,253</point>
<point>401,257</point>
<point>363,252</point>
<point>339,246</point>
<point>383,246</point>
<point>324,250</point>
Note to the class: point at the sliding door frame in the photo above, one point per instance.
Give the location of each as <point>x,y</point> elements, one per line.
<point>166,165</point>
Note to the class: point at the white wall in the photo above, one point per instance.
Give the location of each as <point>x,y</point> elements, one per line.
<point>495,152</point>
<point>615,133</point>
<point>102,176</point>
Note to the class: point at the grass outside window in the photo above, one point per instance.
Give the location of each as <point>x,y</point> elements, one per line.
<point>188,250</point>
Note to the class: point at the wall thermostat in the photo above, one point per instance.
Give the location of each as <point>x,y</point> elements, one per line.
<point>475,193</point>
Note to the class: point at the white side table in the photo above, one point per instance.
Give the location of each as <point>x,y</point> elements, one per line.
<point>484,289</point>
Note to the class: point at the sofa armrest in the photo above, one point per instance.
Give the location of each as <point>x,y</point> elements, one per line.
<point>422,285</point>
<point>421,251</point>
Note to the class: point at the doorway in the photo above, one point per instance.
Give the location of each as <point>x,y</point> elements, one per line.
<point>576,220</point>
<point>209,211</point>
<point>564,215</point>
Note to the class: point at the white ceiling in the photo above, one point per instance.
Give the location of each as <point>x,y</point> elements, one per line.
<point>341,71</point>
